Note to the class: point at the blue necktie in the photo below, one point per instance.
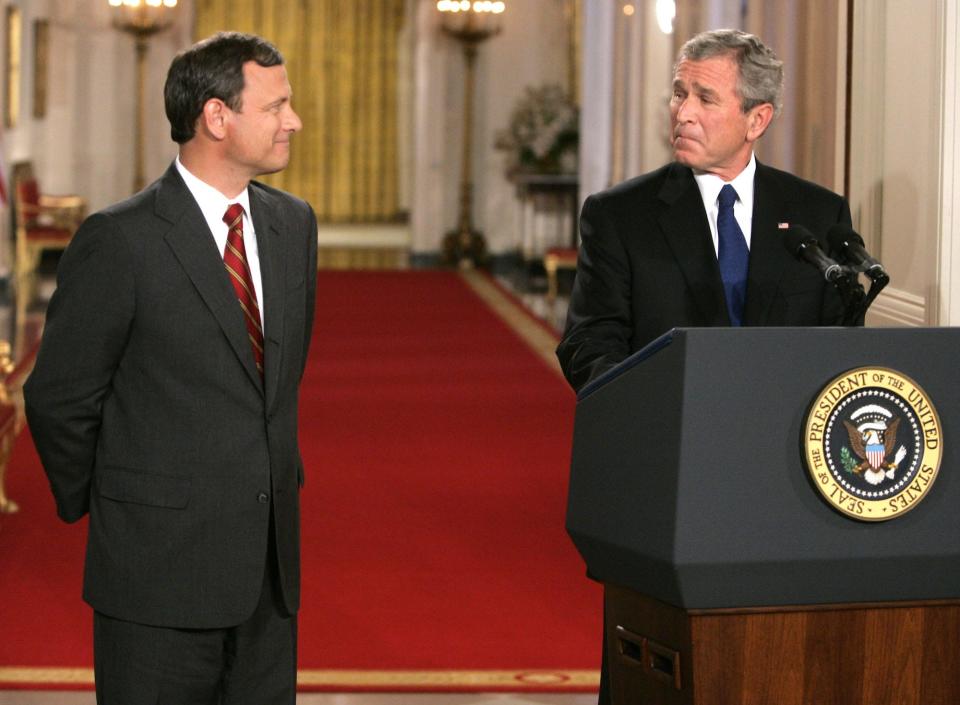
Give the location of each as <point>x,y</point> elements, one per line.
<point>732,254</point>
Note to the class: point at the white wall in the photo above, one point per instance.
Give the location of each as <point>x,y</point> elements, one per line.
<point>897,140</point>
<point>85,144</point>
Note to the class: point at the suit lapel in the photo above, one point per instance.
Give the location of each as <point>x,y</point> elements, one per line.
<point>195,249</point>
<point>266,221</point>
<point>687,232</point>
<point>767,259</point>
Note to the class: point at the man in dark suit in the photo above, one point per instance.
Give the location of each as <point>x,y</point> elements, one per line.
<point>649,253</point>
<point>164,397</point>
<point>699,241</point>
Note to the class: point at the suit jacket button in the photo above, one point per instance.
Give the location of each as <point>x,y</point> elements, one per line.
<point>263,497</point>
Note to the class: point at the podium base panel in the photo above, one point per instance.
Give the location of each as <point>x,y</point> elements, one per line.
<point>877,654</point>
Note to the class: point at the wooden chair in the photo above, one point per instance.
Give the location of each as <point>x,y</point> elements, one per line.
<point>43,222</point>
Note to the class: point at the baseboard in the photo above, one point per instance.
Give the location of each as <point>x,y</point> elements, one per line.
<point>898,308</point>
<point>500,263</point>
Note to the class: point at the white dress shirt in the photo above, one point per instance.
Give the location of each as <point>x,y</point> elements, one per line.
<point>213,205</point>
<point>710,186</point>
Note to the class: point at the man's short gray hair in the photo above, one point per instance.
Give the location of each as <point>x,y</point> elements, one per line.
<point>759,71</point>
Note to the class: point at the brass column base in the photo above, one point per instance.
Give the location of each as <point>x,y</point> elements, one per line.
<point>465,249</point>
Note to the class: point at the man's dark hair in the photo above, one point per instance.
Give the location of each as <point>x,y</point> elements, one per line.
<point>209,69</point>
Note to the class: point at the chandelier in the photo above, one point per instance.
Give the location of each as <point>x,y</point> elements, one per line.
<point>471,22</point>
<point>142,17</point>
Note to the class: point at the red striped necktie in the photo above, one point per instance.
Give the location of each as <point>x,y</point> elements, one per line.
<point>235,260</point>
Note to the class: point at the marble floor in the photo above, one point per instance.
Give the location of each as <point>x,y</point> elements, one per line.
<point>530,288</point>
<point>19,697</point>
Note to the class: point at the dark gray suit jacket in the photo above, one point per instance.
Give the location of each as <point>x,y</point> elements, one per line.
<point>647,264</point>
<point>148,411</point>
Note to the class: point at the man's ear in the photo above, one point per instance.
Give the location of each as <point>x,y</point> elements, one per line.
<point>213,119</point>
<point>758,120</point>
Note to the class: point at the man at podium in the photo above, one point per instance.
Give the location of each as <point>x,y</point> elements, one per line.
<point>698,242</point>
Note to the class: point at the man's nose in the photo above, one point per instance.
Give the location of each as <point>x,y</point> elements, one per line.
<point>685,111</point>
<point>292,121</point>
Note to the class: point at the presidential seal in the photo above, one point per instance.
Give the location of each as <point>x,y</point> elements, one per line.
<point>872,443</point>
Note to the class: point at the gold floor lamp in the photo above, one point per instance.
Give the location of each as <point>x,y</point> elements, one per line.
<point>470,23</point>
<point>142,19</point>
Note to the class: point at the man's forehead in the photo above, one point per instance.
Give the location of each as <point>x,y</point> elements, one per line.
<point>265,84</point>
<point>254,72</point>
<point>713,71</point>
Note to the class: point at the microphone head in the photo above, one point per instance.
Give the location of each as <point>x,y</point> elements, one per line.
<point>841,236</point>
<point>797,238</point>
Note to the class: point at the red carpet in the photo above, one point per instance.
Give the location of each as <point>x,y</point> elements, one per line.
<point>436,445</point>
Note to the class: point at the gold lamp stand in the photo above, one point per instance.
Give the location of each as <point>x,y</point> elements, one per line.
<point>471,24</point>
<point>142,19</point>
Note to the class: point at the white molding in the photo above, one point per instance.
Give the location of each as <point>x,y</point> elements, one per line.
<point>948,263</point>
<point>364,236</point>
<point>895,307</point>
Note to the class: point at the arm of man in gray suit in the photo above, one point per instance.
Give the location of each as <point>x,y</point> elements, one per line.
<point>88,320</point>
<point>311,302</point>
<point>311,280</point>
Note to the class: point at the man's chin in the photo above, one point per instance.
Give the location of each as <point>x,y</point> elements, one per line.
<point>272,168</point>
<point>684,157</point>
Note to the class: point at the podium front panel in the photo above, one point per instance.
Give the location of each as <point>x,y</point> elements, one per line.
<point>688,482</point>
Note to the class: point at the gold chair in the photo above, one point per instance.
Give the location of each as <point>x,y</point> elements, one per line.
<point>43,222</point>
<point>10,425</point>
<point>557,258</point>
<point>12,415</point>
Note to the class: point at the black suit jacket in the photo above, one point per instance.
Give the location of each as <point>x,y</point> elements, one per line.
<point>647,264</point>
<point>148,412</point>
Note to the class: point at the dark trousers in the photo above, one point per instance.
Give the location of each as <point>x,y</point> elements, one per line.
<point>253,663</point>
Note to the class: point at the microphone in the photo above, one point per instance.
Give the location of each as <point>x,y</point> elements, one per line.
<point>803,245</point>
<point>844,240</point>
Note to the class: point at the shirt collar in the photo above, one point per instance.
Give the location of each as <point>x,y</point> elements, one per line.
<point>710,185</point>
<point>211,201</point>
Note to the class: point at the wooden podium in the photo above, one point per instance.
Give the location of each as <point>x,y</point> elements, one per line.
<point>728,579</point>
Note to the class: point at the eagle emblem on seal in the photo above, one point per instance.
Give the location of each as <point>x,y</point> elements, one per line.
<point>872,430</point>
